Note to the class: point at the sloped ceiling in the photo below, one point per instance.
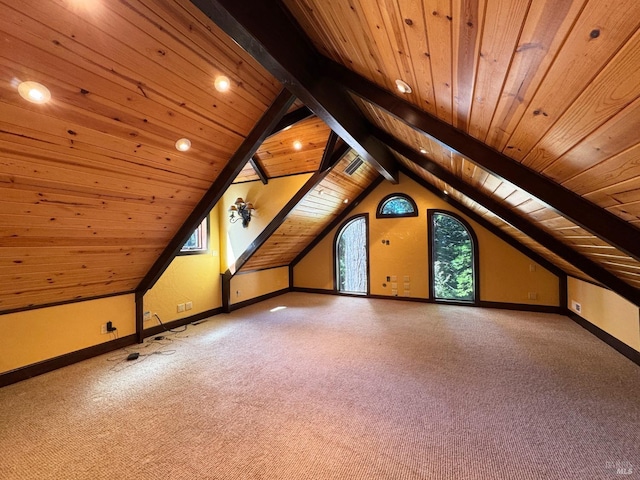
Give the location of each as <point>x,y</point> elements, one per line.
<point>527,112</point>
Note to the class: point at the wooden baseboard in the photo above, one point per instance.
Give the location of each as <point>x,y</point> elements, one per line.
<point>259,299</point>
<point>629,352</point>
<point>35,369</point>
<point>156,329</point>
<point>522,307</point>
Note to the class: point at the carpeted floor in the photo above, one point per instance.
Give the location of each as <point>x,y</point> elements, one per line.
<point>336,388</point>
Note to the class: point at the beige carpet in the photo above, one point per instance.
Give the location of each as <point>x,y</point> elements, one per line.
<point>336,388</point>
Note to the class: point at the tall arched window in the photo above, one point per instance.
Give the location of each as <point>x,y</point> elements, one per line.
<point>351,256</point>
<point>453,254</point>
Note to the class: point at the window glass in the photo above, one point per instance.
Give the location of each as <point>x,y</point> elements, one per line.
<point>198,242</point>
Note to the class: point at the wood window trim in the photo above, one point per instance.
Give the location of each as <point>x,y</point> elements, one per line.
<point>404,196</point>
<point>336,238</point>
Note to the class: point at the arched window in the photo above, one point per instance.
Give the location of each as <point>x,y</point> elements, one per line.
<point>351,256</point>
<point>453,254</point>
<point>397,205</point>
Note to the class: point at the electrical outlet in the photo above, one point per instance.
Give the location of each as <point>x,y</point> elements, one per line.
<point>394,278</point>
<point>188,305</point>
<point>407,278</point>
<point>407,293</point>
<point>180,307</point>
<point>575,306</point>
<point>532,267</point>
<point>147,316</point>
<point>103,328</point>
<point>394,292</point>
<point>533,296</point>
<point>237,293</point>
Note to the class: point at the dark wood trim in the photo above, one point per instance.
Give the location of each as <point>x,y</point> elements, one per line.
<point>346,222</point>
<point>246,150</point>
<point>476,255</point>
<point>65,302</point>
<point>207,251</point>
<point>256,164</point>
<point>327,155</point>
<point>269,33</point>
<point>563,294</point>
<point>139,308</point>
<point>261,298</point>
<point>539,259</point>
<point>157,329</point>
<point>598,221</point>
<point>521,307</point>
<point>338,220</point>
<point>618,345</point>
<point>33,370</point>
<point>226,291</point>
<point>291,118</point>
<point>290,276</point>
<point>278,176</point>
<point>408,198</point>
<point>525,226</point>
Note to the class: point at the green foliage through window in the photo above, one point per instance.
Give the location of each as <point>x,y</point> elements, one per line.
<point>351,257</point>
<point>453,275</point>
<point>397,205</point>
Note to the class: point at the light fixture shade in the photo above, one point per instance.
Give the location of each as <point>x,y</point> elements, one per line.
<point>403,87</point>
<point>34,92</point>
<point>249,206</point>
<point>239,201</point>
<point>183,144</point>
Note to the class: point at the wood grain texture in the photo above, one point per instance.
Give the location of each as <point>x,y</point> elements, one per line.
<point>92,186</point>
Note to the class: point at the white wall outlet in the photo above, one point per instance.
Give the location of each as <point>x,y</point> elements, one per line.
<point>394,278</point>
<point>533,296</point>
<point>180,307</point>
<point>407,285</point>
<point>394,285</point>
<point>407,293</point>
<point>146,316</point>
<point>576,307</point>
<point>532,267</point>
<point>394,292</point>
<point>188,305</point>
<point>407,279</point>
<point>103,329</point>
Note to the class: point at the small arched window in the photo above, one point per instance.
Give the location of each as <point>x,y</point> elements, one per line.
<point>397,205</point>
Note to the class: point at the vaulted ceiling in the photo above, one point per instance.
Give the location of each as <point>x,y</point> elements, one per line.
<point>524,111</point>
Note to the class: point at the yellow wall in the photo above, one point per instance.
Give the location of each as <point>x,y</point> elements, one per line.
<point>267,200</point>
<point>606,310</point>
<point>505,274</point>
<point>189,278</point>
<point>250,285</point>
<point>36,335</point>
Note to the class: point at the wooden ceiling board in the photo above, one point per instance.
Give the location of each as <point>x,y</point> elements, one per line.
<point>93,188</point>
<point>310,217</point>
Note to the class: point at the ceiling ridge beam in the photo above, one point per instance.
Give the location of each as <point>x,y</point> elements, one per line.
<point>291,118</point>
<point>582,212</point>
<point>230,171</point>
<point>270,34</point>
<point>256,164</point>
<point>545,239</point>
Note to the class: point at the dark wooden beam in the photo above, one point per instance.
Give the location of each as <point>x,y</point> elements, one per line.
<point>268,32</point>
<point>614,230</point>
<point>325,163</point>
<point>257,167</point>
<point>291,118</point>
<point>237,162</point>
<point>543,238</point>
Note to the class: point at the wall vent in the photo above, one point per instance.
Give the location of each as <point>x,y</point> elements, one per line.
<point>353,166</point>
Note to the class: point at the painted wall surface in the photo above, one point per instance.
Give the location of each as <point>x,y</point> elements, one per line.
<point>505,274</point>
<point>189,278</point>
<point>36,335</point>
<point>267,200</point>
<point>250,285</point>
<point>606,310</point>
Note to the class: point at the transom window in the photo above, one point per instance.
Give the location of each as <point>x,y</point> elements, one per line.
<point>397,205</point>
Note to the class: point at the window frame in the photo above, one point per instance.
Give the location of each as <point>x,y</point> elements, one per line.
<point>476,258</point>
<point>386,199</point>
<point>336,240</point>
<point>205,234</point>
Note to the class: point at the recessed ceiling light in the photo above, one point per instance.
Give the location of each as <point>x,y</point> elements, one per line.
<point>445,192</point>
<point>297,145</point>
<point>423,151</point>
<point>403,87</point>
<point>222,83</point>
<point>183,144</point>
<point>34,92</point>
<point>346,200</point>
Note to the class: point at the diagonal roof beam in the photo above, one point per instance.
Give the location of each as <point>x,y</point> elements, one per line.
<point>246,150</point>
<point>291,118</point>
<point>268,32</point>
<point>257,167</point>
<point>596,220</point>
<point>543,238</point>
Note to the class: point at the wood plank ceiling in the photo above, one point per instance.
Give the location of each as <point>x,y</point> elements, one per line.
<point>93,191</point>
<point>91,185</point>
<point>553,85</point>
